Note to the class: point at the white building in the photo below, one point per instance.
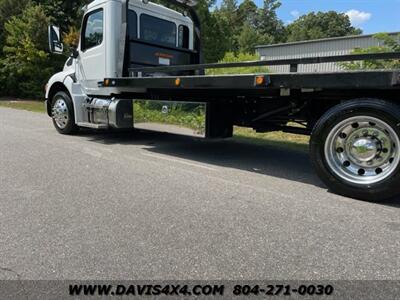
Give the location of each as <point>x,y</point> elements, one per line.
<point>314,48</point>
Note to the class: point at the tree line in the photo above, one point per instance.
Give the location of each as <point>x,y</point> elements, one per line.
<point>234,28</point>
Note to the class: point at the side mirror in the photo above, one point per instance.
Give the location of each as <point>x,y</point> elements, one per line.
<point>74,52</point>
<point>55,44</point>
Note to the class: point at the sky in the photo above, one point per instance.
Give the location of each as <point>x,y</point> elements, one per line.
<point>371,16</point>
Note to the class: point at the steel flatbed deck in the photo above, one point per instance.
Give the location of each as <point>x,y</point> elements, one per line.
<point>382,79</point>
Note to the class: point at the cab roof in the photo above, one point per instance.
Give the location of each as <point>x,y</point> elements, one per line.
<point>149,6</point>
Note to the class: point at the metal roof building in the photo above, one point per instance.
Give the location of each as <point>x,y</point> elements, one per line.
<point>314,48</point>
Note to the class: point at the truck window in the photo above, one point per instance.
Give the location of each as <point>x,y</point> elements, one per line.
<point>132,24</point>
<point>157,31</point>
<point>93,30</point>
<point>183,37</point>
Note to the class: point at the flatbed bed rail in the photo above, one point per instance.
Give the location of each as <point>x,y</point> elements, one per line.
<point>150,82</point>
<point>294,63</point>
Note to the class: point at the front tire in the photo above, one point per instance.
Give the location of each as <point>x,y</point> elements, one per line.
<point>63,115</point>
<point>355,149</point>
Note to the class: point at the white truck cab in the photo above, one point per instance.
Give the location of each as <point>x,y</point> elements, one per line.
<point>115,36</point>
<point>103,31</point>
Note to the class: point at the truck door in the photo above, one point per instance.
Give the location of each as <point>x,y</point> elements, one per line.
<point>92,48</point>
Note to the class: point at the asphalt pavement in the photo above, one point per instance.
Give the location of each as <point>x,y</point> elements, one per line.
<point>143,205</point>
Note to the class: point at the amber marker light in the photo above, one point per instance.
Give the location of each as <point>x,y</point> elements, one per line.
<point>177,82</point>
<point>260,80</point>
<point>106,82</point>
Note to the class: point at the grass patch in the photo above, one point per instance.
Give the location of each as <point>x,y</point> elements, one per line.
<point>276,138</point>
<point>279,139</point>
<point>187,115</point>
<point>35,106</point>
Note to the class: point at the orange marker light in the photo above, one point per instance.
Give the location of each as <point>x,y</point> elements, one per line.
<point>178,82</point>
<point>106,82</point>
<point>260,80</point>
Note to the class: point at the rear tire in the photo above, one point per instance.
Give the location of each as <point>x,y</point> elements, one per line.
<point>355,149</point>
<point>62,110</point>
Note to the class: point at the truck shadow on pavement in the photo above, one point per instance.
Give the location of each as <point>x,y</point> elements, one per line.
<point>290,163</point>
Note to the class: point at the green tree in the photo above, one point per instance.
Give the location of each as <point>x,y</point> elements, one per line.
<point>231,57</point>
<point>227,18</point>
<point>247,13</point>
<point>63,13</point>
<point>268,23</point>
<point>213,32</point>
<point>215,40</point>
<point>8,9</point>
<point>246,25</point>
<point>251,33</point>
<point>320,25</point>
<point>26,64</point>
<point>249,38</point>
<point>389,44</point>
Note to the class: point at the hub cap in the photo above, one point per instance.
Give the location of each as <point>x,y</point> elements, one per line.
<point>362,150</point>
<point>60,113</point>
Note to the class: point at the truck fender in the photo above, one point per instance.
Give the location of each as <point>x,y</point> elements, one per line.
<point>59,82</point>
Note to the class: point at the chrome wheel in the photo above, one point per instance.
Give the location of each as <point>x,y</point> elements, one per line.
<point>60,113</point>
<point>362,150</point>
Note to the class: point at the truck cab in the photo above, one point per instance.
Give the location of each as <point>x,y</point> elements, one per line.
<point>153,35</point>
<point>117,35</point>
